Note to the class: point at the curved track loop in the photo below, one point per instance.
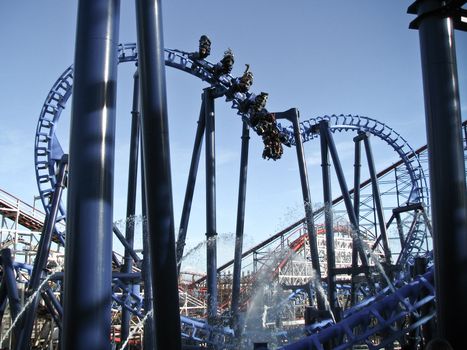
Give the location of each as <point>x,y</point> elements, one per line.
<point>343,122</point>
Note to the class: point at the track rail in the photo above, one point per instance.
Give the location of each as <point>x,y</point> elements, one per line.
<point>387,315</point>
<point>48,151</point>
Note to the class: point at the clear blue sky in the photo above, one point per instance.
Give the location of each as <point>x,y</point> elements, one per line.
<point>323,57</point>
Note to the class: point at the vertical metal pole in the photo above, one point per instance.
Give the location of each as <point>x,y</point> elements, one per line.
<point>211,233</point>
<point>328,219</point>
<point>14,300</point>
<point>236,278</point>
<point>3,302</point>
<point>377,199</point>
<point>190,187</point>
<point>398,194</point>
<point>345,194</point>
<point>42,255</point>
<point>56,304</point>
<point>90,192</point>
<point>157,174</point>
<point>400,229</point>
<point>356,206</point>
<point>131,198</point>
<point>447,169</point>
<point>310,221</point>
<point>148,336</point>
<point>52,311</point>
<point>10,283</point>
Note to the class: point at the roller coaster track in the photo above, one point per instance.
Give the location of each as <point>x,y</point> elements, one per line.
<point>15,209</point>
<point>48,152</point>
<point>385,315</point>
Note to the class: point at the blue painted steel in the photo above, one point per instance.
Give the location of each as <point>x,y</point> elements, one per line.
<point>3,297</point>
<point>377,200</point>
<point>356,206</point>
<point>203,333</point>
<point>338,123</point>
<point>53,299</point>
<point>157,174</point>
<point>447,167</point>
<point>42,255</point>
<point>148,336</point>
<point>61,90</point>
<point>386,313</point>
<point>52,311</point>
<point>87,301</point>
<point>236,275</point>
<point>324,128</point>
<point>190,187</point>
<point>125,244</point>
<point>9,280</point>
<point>48,149</point>
<point>211,233</point>
<point>294,117</point>
<point>328,219</point>
<point>131,198</point>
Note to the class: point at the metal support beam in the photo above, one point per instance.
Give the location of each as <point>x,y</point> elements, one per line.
<point>190,186</point>
<point>447,169</point>
<point>211,233</point>
<point>400,228</point>
<point>56,304</point>
<point>309,216</point>
<point>131,198</point>
<point>377,200</point>
<point>90,192</point>
<point>356,206</point>
<point>236,278</point>
<point>345,194</point>
<point>40,262</point>
<point>52,311</point>
<point>3,300</point>
<point>157,174</point>
<point>148,335</point>
<point>328,219</point>
<point>11,287</point>
<point>125,244</point>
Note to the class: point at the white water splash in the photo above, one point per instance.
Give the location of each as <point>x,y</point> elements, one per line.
<point>26,305</point>
<point>133,219</point>
<point>137,328</point>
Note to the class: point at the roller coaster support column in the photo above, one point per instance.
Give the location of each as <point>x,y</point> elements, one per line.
<point>131,198</point>
<point>40,261</point>
<point>377,199</point>
<point>345,194</point>
<point>447,169</point>
<point>157,174</point>
<point>211,234</point>
<point>293,116</point>
<point>356,206</point>
<point>148,335</point>
<point>3,300</point>
<point>328,218</point>
<point>190,186</point>
<point>88,276</point>
<point>240,224</point>
<point>9,285</point>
